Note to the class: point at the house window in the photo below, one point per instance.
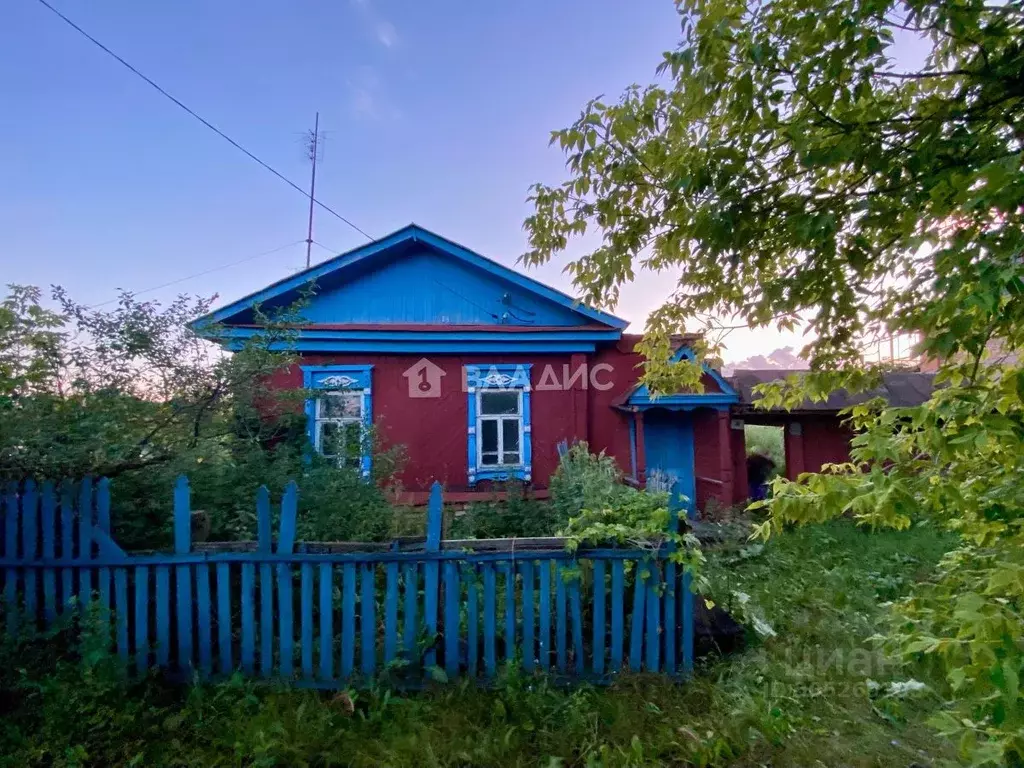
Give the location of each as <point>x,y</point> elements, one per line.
<point>499,422</point>
<point>340,413</point>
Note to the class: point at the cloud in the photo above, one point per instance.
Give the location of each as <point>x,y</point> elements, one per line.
<point>363,90</point>
<point>386,34</point>
<point>381,29</point>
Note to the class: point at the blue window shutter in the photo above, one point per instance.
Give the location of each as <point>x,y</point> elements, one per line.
<point>471,436</point>
<point>341,377</point>
<point>366,458</point>
<point>509,377</point>
<point>527,436</point>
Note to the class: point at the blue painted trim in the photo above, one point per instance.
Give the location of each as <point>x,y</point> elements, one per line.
<point>414,234</point>
<point>313,377</point>
<point>686,401</point>
<point>424,347</point>
<point>569,334</point>
<point>518,378</point>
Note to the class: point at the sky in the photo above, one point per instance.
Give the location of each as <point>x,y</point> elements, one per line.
<point>436,113</point>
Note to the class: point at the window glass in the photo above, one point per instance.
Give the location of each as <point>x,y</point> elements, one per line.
<point>499,403</point>
<point>510,434</point>
<point>489,435</point>
<point>341,405</point>
<point>489,459</point>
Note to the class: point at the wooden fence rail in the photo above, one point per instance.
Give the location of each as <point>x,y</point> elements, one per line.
<point>325,615</point>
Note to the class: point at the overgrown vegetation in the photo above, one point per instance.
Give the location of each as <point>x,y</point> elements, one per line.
<point>137,395</point>
<point>814,692</point>
<point>800,165</point>
<point>767,441</point>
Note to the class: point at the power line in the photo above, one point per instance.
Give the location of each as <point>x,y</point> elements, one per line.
<point>202,120</point>
<point>200,274</point>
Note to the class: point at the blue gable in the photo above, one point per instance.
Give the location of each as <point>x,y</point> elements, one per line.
<point>641,397</point>
<point>416,276</point>
<point>425,286</point>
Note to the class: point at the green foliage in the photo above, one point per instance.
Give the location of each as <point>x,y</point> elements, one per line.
<point>814,694</point>
<point>796,167</point>
<point>518,514</point>
<point>767,441</point>
<point>583,480</point>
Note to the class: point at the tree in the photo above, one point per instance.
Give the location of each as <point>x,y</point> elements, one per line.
<point>84,391</point>
<point>795,167</point>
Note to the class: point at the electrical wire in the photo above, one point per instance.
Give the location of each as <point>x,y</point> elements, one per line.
<point>201,119</point>
<point>200,274</point>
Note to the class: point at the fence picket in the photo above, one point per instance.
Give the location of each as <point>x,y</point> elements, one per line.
<point>653,600</point>
<point>430,572</point>
<point>49,513</point>
<point>326,621</point>
<point>576,608</point>
<point>103,525</point>
<point>121,612</point>
<point>508,568</point>
<point>224,618</point>
<point>599,601</point>
<point>11,512</point>
<point>368,622</point>
<point>686,611</point>
<point>348,621</point>
<point>490,628</point>
<point>204,616</point>
<point>451,618</point>
<point>285,621</point>
<point>410,578</point>
<point>29,548</point>
<point>560,631</point>
<point>85,513</point>
<point>391,614</point>
<point>163,615</point>
<point>266,619</point>
<point>529,649</point>
<point>246,601</point>
<point>618,588</point>
<point>183,573</point>
<point>306,619</point>
<point>141,619</point>
<point>544,617</point>
<point>472,619</point>
<point>66,544</point>
<point>636,629</point>
<point>671,583</point>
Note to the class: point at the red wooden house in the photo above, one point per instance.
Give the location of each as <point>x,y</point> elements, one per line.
<point>481,372</point>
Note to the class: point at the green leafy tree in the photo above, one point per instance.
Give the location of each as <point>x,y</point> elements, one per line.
<point>798,165</point>
<point>138,395</point>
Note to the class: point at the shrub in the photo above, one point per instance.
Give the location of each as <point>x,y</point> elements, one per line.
<point>583,480</point>
<point>518,514</point>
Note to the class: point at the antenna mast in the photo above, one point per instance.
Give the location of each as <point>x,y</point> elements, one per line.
<point>312,141</point>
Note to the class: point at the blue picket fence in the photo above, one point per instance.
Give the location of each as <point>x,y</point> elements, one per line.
<point>328,614</point>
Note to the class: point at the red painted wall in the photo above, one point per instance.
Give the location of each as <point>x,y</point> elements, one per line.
<point>826,441</point>
<point>433,430</point>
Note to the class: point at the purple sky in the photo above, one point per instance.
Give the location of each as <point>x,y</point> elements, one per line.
<point>437,113</point>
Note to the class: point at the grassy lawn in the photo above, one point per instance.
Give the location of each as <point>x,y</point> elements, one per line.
<point>802,697</point>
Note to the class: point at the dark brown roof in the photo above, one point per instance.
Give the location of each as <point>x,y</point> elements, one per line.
<point>900,389</point>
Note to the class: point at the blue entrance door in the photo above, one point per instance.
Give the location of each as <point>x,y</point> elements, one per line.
<point>668,443</point>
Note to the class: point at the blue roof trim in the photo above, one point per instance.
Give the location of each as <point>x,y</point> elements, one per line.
<point>410,233</point>
<point>527,336</point>
<point>641,397</point>
<point>724,385</point>
<point>417,347</point>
